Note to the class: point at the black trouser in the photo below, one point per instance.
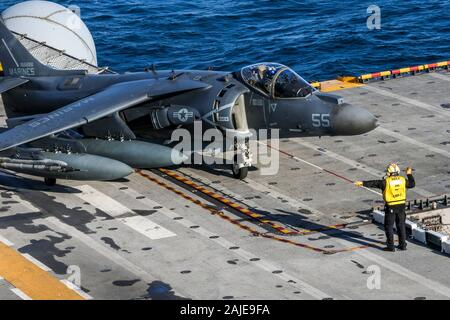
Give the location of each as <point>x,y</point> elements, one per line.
<point>395,214</point>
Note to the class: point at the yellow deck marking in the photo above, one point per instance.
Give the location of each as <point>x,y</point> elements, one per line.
<point>335,85</point>
<point>30,279</point>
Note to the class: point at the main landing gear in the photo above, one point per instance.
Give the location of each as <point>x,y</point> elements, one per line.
<point>51,182</point>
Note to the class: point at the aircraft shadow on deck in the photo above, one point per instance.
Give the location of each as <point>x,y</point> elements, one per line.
<point>13,182</point>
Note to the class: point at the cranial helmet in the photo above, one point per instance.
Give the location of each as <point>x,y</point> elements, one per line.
<point>272,70</point>
<point>393,169</point>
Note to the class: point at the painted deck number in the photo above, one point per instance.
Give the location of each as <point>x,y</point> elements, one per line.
<point>321,120</point>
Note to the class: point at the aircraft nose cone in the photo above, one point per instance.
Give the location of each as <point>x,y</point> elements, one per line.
<point>349,120</point>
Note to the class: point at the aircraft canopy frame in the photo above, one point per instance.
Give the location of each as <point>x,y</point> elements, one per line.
<point>276,80</point>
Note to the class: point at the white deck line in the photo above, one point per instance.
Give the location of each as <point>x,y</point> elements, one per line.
<point>439,76</point>
<point>300,284</point>
<point>317,167</point>
<point>6,241</point>
<point>143,225</point>
<point>417,103</point>
<point>354,164</point>
<point>102,250</point>
<point>20,294</point>
<point>414,142</point>
<point>36,262</point>
<point>75,288</point>
<point>394,267</point>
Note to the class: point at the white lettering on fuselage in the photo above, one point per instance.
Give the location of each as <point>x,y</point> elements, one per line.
<point>59,113</point>
<point>24,69</point>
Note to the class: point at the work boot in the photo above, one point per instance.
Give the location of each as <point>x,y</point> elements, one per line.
<point>389,249</point>
<point>402,247</point>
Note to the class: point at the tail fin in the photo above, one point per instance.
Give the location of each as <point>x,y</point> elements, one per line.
<point>16,61</point>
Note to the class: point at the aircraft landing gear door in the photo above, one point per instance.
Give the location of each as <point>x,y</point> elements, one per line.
<point>257,108</point>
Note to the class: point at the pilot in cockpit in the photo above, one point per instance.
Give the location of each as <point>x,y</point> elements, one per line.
<point>262,76</point>
<point>276,79</point>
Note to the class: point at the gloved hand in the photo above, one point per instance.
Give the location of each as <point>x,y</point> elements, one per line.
<point>359,183</point>
<point>408,170</point>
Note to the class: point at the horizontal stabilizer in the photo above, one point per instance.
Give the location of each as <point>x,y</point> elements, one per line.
<point>7,84</point>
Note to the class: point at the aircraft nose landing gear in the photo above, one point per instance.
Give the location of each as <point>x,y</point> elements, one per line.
<point>242,159</point>
<point>239,172</point>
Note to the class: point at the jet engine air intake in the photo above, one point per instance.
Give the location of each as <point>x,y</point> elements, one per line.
<point>229,108</point>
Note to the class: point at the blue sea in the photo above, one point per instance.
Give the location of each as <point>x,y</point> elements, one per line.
<point>318,39</point>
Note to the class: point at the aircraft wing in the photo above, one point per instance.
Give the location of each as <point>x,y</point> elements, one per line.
<point>7,84</point>
<point>113,99</point>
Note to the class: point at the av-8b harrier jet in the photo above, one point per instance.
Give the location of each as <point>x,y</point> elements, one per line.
<point>68,124</point>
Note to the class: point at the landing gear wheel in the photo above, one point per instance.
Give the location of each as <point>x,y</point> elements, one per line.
<point>50,182</point>
<point>240,173</point>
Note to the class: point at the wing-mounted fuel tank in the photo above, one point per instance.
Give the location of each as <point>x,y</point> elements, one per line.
<point>88,159</point>
<point>228,110</point>
<point>134,153</point>
<point>173,115</point>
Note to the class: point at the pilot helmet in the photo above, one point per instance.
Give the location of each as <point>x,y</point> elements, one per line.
<point>271,71</point>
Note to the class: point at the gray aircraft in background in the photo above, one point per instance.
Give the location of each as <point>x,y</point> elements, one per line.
<point>68,124</point>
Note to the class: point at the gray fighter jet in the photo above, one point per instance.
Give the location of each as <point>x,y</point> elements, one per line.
<point>67,124</point>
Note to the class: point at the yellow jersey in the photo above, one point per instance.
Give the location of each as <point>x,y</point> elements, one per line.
<point>395,191</point>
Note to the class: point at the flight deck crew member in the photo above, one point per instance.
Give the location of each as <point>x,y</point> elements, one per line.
<point>394,195</point>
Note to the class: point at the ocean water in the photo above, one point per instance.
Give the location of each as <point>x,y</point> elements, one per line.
<point>318,39</point>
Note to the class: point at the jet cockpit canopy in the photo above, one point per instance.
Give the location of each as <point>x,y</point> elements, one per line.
<point>276,80</point>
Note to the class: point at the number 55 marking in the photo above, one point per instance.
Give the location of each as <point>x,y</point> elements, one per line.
<point>321,120</point>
